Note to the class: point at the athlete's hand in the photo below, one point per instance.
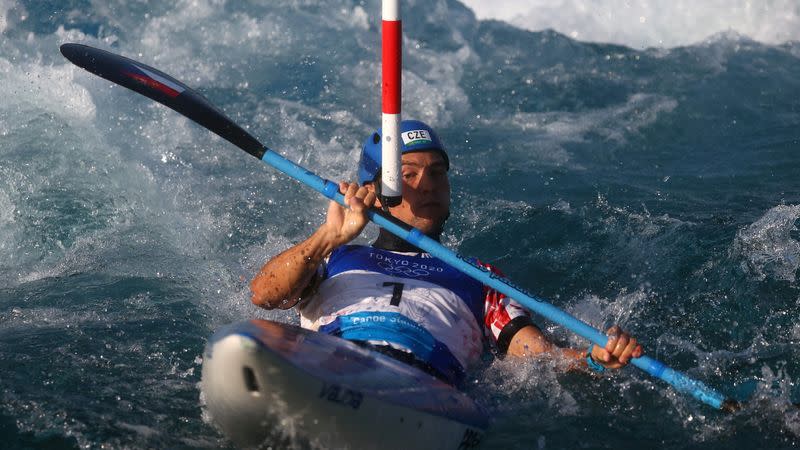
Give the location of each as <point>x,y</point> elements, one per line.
<point>344,225</point>
<point>619,349</point>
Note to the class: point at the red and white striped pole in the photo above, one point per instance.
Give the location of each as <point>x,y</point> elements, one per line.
<point>392,44</point>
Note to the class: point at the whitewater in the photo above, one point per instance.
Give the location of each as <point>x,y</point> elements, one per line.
<point>647,178</point>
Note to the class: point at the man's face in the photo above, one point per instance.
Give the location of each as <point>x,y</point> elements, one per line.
<point>426,191</point>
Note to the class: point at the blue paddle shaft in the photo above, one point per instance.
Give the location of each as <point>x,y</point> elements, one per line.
<point>655,368</point>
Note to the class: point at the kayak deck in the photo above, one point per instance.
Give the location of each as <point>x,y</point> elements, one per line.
<point>264,379</point>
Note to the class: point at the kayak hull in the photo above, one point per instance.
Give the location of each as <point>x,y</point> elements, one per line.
<point>274,384</point>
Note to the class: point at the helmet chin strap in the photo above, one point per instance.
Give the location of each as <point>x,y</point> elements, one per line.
<point>377,185</point>
<point>385,208</point>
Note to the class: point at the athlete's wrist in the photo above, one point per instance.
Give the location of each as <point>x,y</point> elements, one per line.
<point>592,363</point>
<point>325,240</point>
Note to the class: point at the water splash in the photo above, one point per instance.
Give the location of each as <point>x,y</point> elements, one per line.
<point>641,23</point>
<point>767,247</point>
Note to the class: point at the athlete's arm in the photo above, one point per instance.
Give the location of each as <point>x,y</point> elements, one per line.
<point>284,278</point>
<point>619,349</point>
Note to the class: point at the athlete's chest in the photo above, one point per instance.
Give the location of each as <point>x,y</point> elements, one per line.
<point>411,266</point>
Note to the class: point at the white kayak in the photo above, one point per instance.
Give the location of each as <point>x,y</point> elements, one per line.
<point>276,385</point>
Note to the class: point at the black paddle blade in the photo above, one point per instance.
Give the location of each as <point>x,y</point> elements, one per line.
<point>162,88</point>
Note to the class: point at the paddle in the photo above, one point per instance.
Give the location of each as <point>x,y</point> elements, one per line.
<point>174,94</point>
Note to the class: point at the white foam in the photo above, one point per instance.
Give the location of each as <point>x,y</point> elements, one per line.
<point>359,18</point>
<point>143,431</point>
<point>766,247</point>
<point>517,381</point>
<point>436,95</point>
<point>7,206</point>
<point>5,7</point>
<point>639,111</point>
<point>9,230</point>
<point>33,87</point>
<point>550,132</point>
<point>647,23</point>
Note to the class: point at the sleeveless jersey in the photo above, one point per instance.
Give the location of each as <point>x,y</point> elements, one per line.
<point>410,301</point>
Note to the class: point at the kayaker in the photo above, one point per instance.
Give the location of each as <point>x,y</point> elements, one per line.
<point>399,300</point>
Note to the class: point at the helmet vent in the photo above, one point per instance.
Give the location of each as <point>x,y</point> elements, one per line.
<point>376,138</point>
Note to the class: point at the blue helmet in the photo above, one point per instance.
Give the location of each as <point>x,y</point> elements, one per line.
<point>416,136</point>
